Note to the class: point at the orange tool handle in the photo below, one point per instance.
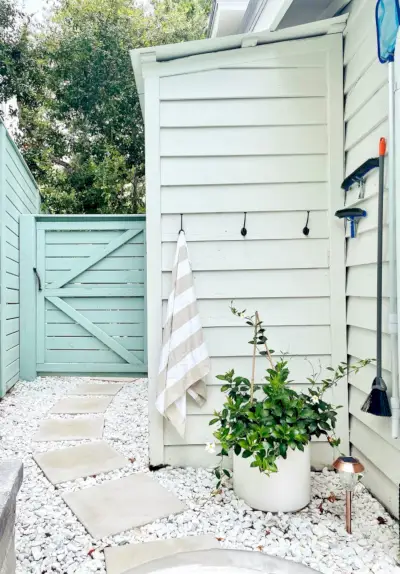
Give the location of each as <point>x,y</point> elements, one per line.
<point>382,146</point>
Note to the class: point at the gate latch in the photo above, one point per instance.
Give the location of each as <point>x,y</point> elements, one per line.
<point>38,278</point>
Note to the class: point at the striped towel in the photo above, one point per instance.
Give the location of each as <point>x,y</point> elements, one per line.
<point>184,358</point>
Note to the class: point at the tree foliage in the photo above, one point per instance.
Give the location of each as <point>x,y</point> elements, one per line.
<point>80,123</point>
<point>17,60</point>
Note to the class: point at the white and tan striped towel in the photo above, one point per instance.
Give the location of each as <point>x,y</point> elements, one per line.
<point>184,358</point>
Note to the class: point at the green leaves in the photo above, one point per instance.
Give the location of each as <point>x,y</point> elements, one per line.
<point>283,449</point>
<point>324,425</point>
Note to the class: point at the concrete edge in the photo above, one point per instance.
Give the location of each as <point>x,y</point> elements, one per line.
<point>11,475</point>
<point>248,560</point>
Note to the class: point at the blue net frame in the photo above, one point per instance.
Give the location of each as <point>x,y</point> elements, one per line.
<point>387,18</point>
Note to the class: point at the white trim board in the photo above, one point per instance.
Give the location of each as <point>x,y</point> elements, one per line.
<point>267,54</point>
<point>182,51</point>
<point>153,265</point>
<point>337,265</point>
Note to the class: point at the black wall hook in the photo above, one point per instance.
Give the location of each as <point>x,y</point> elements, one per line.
<point>306,229</point>
<point>181,229</point>
<point>243,231</point>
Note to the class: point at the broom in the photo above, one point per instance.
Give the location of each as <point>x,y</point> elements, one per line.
<point>377,402</point>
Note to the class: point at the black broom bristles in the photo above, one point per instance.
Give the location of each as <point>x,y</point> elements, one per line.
<point>377,402</point>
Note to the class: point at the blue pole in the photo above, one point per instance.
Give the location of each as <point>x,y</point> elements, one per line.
<point>352,227</point>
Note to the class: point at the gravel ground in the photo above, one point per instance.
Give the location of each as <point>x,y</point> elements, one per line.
<point>50,539</point>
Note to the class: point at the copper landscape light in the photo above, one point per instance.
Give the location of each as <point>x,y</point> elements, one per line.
<point>349,470</point>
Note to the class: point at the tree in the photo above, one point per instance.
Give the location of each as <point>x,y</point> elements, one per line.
<point>17,61</point>
<point>82,132</point>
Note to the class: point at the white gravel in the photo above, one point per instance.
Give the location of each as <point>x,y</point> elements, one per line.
<point>50,538</point>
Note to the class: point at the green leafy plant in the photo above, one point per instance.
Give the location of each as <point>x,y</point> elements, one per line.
<point>262,422</point>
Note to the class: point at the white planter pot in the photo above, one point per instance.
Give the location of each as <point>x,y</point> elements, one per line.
<point>287,490</point>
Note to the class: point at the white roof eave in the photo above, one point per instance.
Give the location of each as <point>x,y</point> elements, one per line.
<point>181,50</point>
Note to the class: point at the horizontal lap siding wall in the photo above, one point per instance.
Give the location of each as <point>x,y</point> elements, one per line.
<point>248,139</point>
<point>366,116</point>
<point>18,195</point>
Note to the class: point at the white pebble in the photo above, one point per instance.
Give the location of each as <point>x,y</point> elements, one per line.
<point>49,538</point>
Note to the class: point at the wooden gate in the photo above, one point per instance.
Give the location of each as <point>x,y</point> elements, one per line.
<point>83,295</point>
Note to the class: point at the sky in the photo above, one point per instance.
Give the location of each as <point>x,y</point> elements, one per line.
<point>36,6</point>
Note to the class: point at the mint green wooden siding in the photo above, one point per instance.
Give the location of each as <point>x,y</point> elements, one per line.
<point>18,195</point>
<point>90,313</point>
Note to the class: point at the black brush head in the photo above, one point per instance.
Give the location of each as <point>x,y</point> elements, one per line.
<point>377,402</point>
<point>350,212</point>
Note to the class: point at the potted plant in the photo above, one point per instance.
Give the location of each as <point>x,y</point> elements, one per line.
<point>268,428</point>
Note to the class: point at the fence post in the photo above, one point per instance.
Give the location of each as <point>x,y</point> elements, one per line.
<point>2,259</point>
<point>27,298</point>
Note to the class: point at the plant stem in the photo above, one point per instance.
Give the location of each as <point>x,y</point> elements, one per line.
<point>269,356</point>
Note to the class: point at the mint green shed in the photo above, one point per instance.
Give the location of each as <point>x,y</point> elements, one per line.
<point>83,284</point>
<point>19,195</point>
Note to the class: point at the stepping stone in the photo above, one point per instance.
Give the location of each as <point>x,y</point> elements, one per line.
<point>118,505</point>
<point>69,429</point>
<point>79,461</point>
<point>120,558</point>
<point>81,405</point>
<point>93,389</point>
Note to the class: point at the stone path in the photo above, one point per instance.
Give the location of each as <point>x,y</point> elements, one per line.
<point>111,389</point>
<point>114,506</point>
<point>81,405</point>
<point>119,505</point>
<point>80,461</point>
<point>69,429</point>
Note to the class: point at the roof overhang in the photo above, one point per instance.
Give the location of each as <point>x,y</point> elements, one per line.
<point>146,57</point>
<point>273,11</point>
<point>226,17</point>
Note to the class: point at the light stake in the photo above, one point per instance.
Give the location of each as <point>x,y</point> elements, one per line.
<point>349,470</point>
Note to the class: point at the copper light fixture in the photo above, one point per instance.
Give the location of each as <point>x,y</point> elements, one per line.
<point>349,470</point>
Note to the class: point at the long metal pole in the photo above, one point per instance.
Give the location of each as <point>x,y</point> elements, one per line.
<point>379,266</point>
<point>348,511</point>
<point>393,327</point>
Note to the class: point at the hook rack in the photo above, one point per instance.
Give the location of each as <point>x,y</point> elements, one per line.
<point>358,177</point>
<point>353,215</point>
<point>243,231</point>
